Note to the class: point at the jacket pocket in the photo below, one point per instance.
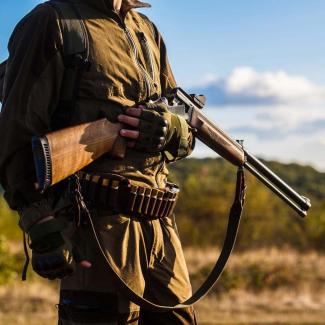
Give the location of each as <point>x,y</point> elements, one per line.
<point>169,224</point>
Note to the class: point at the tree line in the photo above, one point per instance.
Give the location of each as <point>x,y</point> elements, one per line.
<point>207,191</point>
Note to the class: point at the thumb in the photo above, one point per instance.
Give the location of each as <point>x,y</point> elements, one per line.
<point>85,264</point>
<point>79,258</point>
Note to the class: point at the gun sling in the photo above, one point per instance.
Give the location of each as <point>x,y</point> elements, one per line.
<point>230,239</point>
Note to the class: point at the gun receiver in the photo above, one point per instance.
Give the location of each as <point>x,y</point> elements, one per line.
<point>216,139</point>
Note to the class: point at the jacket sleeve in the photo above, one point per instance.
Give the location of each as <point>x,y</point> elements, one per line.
<point>31,93</point>
<point>183,142</point>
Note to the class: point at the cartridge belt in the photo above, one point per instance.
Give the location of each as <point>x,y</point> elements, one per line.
<point>115,192</point>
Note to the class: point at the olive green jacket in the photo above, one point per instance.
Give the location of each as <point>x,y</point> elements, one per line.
<point>129,65</point>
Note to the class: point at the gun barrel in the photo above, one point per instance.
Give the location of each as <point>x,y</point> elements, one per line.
<point>301,201</point>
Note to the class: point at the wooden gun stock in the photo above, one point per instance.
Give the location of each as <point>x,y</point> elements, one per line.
<point>62,153</point>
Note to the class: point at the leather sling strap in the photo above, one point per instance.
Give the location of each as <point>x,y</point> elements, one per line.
<point>230,239</point>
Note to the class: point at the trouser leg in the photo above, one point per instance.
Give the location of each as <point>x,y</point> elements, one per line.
<point>167,280</point>
<point>91,308</point>
<point>91,296</point>
<point>120,319</point>
<point>152,251</point>
<point>184,316</point>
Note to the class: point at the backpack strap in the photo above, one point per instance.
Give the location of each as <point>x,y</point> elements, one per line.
<point>76,60</point>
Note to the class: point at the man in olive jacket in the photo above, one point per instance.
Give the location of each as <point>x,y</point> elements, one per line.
<point>129,67</point>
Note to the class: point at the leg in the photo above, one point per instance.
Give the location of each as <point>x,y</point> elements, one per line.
<point>177,317</point>
<point>167,280</point>
<point>93,308</point>
<point>90,296</point>
<point>122,319</point>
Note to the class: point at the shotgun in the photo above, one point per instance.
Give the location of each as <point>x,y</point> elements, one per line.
<point>60,154</point>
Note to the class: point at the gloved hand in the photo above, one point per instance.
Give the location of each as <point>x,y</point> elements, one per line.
<point>154,128</point>
<point>53,257</point>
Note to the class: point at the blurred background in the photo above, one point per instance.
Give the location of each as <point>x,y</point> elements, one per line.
<point>261,66</point>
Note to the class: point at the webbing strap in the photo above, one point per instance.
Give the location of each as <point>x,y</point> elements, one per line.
<point>76,60</point>
<point>230,239</point>
<point>74,32</point>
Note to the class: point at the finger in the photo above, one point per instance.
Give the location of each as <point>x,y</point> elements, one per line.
<point>129,134</point>
<point>85,264</point>
<point>134,111</point>
<point>129,120</point>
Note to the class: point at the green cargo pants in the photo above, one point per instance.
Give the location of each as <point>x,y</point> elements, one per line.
<point>146,254</point>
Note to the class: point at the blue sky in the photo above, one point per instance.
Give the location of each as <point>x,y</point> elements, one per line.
<point>214,36</point>
<point>262,63</point>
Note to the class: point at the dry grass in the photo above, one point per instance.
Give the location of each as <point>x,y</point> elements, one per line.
<point>291,288</point>
<point>31,303</point>
<point>297,298</point>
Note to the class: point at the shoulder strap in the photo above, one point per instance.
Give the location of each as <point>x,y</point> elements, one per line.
<point>76,59</point>
<point>76,53</point>
<point>74,32</point>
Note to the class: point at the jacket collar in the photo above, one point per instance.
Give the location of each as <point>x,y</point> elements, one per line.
<point>127,5</point>
<point>107,5</point>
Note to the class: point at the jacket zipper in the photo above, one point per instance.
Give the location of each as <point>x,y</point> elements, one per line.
<point>148,54</point>
<point>142,70</point>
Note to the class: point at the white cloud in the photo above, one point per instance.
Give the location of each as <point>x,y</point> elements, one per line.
<point>278,85</point>
<point>246,86</point>
<point>207,79</point>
